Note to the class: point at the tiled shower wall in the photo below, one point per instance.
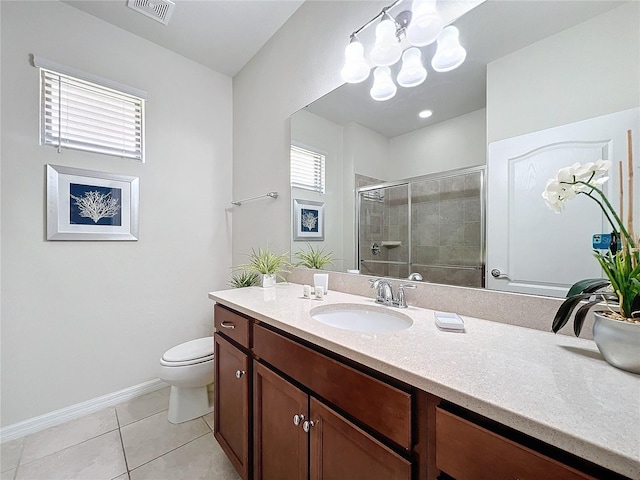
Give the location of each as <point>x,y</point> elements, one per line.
<point>446,229</point>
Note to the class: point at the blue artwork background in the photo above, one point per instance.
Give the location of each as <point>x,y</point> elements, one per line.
<point>79,190</point>
<point>316,214</point>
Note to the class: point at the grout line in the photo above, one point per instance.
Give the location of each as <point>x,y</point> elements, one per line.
<point>173,449</point>
<point>124,452</point>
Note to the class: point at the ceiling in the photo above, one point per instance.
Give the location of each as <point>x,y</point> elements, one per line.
<point>488,31</point>
<point>220,34</point>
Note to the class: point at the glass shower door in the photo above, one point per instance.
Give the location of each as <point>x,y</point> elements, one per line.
<point>383,231</point>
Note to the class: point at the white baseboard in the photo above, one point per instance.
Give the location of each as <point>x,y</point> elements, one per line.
<point>51,419</point>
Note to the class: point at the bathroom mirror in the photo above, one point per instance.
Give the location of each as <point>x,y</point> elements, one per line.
<point>375,143</point>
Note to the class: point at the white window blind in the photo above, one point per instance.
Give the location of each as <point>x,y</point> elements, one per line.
<point>83,115</point>
<point>307,169</point>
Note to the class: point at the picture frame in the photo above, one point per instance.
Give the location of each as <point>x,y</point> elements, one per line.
<point>90,205</point>
<point>308,220</point>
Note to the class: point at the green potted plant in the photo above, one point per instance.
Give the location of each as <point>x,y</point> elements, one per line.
<point>243,279</point>
<point>268,266</point>
<point>615,331</point>
<point>314,257</point>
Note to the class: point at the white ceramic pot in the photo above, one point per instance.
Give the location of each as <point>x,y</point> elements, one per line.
<point>267,280</point>
<point>618,342</point>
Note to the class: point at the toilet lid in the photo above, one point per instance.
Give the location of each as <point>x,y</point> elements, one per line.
<point>197,349</point>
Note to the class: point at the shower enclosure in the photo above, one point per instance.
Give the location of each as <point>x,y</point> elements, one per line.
<point>432,225</point>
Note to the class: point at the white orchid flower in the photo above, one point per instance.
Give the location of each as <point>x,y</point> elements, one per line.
<point>574,179</point>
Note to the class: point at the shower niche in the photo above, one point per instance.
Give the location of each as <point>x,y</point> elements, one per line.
<point>430,225</point>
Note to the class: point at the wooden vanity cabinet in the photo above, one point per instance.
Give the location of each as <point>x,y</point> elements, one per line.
<point>297,437</point>
<point>233,388</point>
<point>286,409</point>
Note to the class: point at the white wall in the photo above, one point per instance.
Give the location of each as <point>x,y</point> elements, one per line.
<point>322,136</point>
<point>84,319</point>
<point>583,72</point>
<point>298,65</point>
<point>457,143</point>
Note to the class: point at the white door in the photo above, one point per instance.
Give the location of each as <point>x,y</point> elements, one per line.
<point>531,249</point>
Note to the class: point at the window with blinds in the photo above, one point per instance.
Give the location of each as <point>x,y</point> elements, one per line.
<point>86,116</point>
<point>307,169</point>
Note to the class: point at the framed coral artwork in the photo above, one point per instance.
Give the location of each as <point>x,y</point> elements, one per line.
<point>90,205</point>
<point>308,220</point>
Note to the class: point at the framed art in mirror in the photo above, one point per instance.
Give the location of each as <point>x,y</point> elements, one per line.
<point>308,224</point>
<point>90,205</point>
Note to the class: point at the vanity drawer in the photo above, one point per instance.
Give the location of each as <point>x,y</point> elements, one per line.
<point>233,325</point>
<point>467,451</point>
<point>382,407</point>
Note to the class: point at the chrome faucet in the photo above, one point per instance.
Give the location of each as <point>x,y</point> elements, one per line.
<point>415,277</point>
<point>384,293</point>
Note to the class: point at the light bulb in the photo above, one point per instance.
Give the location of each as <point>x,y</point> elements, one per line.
<point>355,68</point>
<point>449,54</point>
<point>412,72</point>
<point>383,87</point>
<point>386,50</point>
<point>426,24</point>
<point>425,113</point>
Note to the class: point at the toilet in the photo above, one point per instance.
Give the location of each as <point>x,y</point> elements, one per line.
<point>188,368</point>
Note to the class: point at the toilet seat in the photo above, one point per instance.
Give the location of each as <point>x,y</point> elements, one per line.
<point>189,353</point>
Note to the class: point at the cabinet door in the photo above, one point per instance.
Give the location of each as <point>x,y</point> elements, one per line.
<point>232,393</point>
<point>280,446</point>
<point>340,450</point>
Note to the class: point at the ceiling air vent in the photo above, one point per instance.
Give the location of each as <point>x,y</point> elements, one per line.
<point>159,10</point>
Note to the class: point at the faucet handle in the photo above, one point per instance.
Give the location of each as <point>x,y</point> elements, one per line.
<point>401,301</point>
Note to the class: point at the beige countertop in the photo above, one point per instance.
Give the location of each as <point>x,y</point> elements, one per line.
<point>553,387</point>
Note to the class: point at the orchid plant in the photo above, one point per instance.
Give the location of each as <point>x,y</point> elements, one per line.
<point>622,268</point>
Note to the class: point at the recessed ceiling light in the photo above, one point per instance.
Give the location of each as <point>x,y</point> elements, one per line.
<point>425,114</point>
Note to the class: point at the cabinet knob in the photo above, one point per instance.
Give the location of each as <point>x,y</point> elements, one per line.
<point>297,419</point>
<point>240,373</point>
<point>306,426</point>
<point>230,326</point>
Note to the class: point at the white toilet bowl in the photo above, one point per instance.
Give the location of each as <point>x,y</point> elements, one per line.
<point>188,368</point>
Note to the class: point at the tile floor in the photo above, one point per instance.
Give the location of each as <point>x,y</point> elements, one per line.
<point>131,441</point>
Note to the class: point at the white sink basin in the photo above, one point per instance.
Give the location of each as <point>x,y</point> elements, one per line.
<point>361,318</point>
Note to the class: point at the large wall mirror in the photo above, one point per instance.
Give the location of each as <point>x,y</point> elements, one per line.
<point>457,196</point>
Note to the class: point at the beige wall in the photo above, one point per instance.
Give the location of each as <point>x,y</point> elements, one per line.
<point>84,319</point>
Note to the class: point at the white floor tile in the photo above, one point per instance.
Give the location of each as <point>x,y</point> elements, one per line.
<point>209,418</point>
<point>10,454</point>
<point>100,458</point>
<point>68,434</point>
<point>8,474</point>
<point>124,476</point>
<point>142,407</point>
<point>154,436</point>
<point>201,459</point>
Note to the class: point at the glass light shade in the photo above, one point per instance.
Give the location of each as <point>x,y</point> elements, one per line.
<point>412,72</point>
<point>355,68</point>
<point>383,87</point>
<point>449,54</point>
<point>386,50</point>
<point>426,24</point>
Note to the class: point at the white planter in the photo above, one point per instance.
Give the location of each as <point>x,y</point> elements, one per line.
<point>618,342</point>
<point>267,280</point>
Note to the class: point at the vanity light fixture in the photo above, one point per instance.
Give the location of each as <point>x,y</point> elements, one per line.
<point>425,113</point>
<point>412,72</point>
<point>383,87</point>
<point>356,69</point>
<point>449,54</point>
<point>386,51</point>
<point>426,23</point>
<point>422,25</point>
